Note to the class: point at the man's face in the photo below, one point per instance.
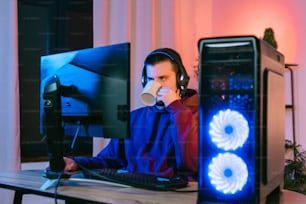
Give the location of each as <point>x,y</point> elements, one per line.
<point>163,72</point>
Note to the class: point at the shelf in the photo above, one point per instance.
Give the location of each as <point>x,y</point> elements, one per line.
<point>289,106</point>
<point>288,66</point>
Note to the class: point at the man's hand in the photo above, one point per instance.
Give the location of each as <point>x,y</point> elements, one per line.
<point>167,95</point>
<point>70,164</point>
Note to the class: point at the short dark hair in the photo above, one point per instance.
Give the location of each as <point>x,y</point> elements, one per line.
<point>157,58</point>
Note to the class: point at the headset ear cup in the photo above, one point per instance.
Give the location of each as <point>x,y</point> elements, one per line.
<point>182,81</point>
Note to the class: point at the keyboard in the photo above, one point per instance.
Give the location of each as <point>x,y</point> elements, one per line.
<point>139,180</point>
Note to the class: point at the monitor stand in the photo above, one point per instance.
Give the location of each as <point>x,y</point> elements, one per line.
<point>53,178</point>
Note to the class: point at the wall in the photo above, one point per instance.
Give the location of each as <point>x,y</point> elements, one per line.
<point>148,25</point>
<point>300,74</point>
<point>181,23</point>
<point>286,17</point>
<point>152,24</point>
<point>9,93</point>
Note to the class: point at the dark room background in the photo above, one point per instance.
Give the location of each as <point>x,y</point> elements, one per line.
<point>47,27</point>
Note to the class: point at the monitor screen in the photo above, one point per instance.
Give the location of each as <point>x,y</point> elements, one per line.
<point>94,91</point>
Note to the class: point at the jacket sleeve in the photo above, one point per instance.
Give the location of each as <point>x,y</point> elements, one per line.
<point>109,157</point>
<point>185,116</point>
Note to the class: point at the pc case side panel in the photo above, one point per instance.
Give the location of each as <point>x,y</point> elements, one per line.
<point>273,120</point>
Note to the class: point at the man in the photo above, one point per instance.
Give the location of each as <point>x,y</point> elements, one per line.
<point>164,137</point>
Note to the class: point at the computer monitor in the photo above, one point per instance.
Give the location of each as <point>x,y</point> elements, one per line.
<point>84,93</point>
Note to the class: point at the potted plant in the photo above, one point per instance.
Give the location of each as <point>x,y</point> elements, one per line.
<point>269,37</point>
<point>295,168</point>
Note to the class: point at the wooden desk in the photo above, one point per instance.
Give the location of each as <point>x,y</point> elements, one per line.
<point>72,191</point>
<point>30,181</point>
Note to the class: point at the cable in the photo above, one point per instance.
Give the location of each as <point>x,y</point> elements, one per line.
<point>75,136</point>
<point>60,174</point>
<point>56,185</point>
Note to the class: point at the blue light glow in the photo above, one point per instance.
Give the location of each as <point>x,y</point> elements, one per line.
<point>228,130</point>
<point>228,173</point>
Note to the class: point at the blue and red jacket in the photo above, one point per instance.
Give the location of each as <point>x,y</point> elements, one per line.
<point>163,142</point>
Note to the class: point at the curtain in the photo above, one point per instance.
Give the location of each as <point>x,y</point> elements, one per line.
<point>151,24</point>
<point>9,93</point>
<point>147,25</point>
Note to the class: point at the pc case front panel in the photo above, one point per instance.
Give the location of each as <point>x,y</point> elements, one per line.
<point>228,119</point>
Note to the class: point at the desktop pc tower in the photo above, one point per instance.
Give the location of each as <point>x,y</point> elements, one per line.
<point>241,120</point>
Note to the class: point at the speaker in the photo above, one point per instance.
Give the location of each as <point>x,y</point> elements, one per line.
<point>182,78</point>
<point>241,120</point>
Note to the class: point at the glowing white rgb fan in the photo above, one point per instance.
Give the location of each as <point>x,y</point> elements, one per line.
<point>228,130</point>
<point>228,173</point>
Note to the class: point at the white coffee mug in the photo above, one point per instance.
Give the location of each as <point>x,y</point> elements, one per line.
<point>149,93</point>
